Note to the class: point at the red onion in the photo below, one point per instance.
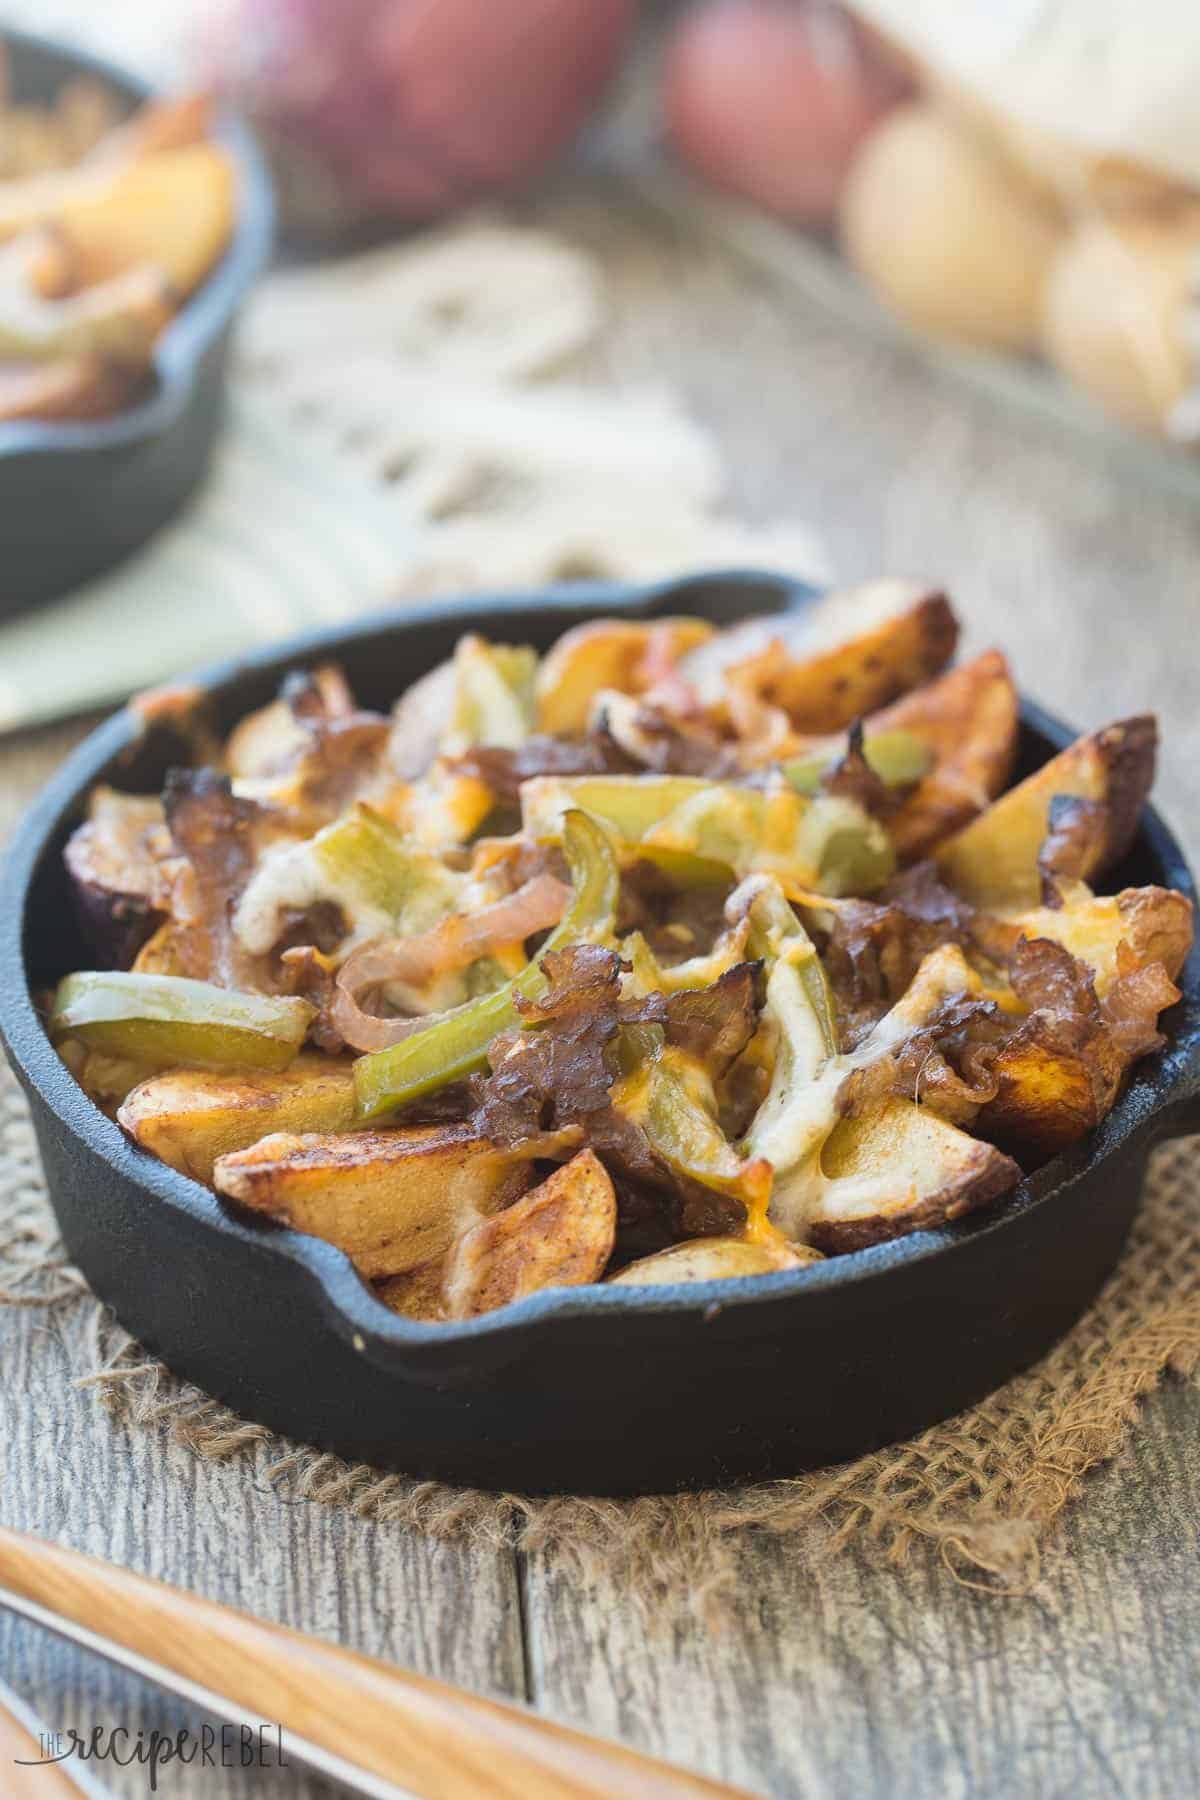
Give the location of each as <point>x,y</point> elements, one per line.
<point>771,100</point>
<point>453,944</point>
<point>413,107</point>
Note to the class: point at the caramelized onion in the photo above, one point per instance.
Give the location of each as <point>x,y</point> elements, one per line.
<point>452,944</point>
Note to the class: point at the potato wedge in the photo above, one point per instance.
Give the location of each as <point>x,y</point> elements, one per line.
<point>390,1199</point>
<point>607,653</point>
<point>895,635</point>
<point>560,1234</point>
<point>275,736</point>
<point>72,387</point>
<point>113,862</point>
<point>108,1079</point>
<point>714,1259</point>
<point>118,320</point>
<point>190,1117</point>
<point>993,861</point>
<point>166,122</point>
<point>175,210</point>
<point>418,721</point>
<point>967,719</point>
<point>1154,923</point>
<point>417,1294</point>
<point>899,1169</point>
<point>1048,1098</point>
<point>172,950</point>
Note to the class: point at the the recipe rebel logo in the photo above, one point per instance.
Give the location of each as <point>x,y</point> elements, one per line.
<point>245,1746</point>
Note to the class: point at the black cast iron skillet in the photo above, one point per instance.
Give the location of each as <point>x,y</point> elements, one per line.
<point>603,1390</point>
<point>77,495</point>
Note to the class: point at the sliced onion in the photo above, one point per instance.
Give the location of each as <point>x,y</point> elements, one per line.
<point>452,944</point>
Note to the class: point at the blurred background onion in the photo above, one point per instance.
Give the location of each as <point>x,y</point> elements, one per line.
<point>410,108</point>
<point>772,99</point>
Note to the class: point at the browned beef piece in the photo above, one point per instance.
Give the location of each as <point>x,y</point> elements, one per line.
<point>504,770</point>
<point>559,1071</point>
<point>219,838</point>
<point>676,922</point>
<point>875,947</point>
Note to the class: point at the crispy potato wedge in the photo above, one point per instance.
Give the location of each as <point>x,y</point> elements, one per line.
<point>608,653</point>
<point>417,1294</point>
<point>993,861</point>
<point>907,634</point>
<point>714,1259</point>
<point>190,1117</point>
<point>113,862</point>
<point>967,719</point>
<point>167,122</point>
<point>899,1169</point>
<point>118,320</point>
<point>273,737</point>
<point>174,210</point>
<point>107,1079</point>
<point>418,720</point>
<point>171,950</point>
<point>560,1234</point>
<point>65,387</point>
<point>1154,923</point>
<point>1047,1098</point>
<point>390,1199</point>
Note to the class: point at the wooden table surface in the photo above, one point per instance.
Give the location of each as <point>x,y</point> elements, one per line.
<point>861,1681</point>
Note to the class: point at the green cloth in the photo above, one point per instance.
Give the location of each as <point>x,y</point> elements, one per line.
<point>277,541</point>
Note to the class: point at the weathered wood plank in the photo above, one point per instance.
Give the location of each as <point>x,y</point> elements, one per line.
<point>71,1474</point>
<point>867,1682</point>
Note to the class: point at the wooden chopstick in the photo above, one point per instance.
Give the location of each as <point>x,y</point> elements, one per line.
<point>381,1730</point>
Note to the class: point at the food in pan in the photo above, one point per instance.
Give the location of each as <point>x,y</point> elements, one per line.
<point>106,226</point>
<point>671,955</point>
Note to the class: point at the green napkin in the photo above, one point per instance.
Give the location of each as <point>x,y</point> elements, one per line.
<point>278,540</point>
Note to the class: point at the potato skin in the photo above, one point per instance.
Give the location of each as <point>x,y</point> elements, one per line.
<point>605,653</point>
<point>993,862</point>
<point>940,1173</point>
<point>111,865</point>
<point>827,689</point>
<point>968,719</point>
<point>713,1259</point>
<point>560,1234</point>
<point>190,1117</point>
<point>391,1200</point>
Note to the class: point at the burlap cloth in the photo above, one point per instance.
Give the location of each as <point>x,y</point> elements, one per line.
<point>986,1488</point>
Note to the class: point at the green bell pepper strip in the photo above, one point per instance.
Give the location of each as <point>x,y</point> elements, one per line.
<point>692,827</point>
<point>630,805</point>
<point>164,1020</point>
<point>899,758</point>
<point>776,936</point>
<point>364,860</point>
<point>457,1044</point>
<point>670,1097</point>
<point>493,696</point>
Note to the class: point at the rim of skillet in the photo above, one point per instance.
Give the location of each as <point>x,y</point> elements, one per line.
<point>345,1298</point>
<point>207,311</point>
